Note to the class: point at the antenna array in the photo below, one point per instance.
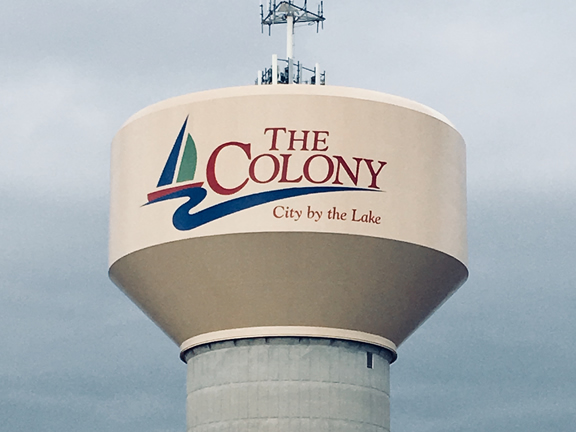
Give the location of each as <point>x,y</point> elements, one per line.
<point>287,12</point>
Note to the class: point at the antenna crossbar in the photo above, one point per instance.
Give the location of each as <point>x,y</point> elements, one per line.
<point>278,13</point>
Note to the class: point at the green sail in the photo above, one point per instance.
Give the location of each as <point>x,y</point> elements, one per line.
<point>189,160</point>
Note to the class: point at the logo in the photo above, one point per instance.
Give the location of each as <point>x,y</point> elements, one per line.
<point>177,177</point>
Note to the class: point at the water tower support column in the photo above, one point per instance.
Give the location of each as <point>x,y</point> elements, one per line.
<point>288,384</point>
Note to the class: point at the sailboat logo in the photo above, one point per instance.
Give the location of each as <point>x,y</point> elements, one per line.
<point>186,172</point>
<point>180,184</point>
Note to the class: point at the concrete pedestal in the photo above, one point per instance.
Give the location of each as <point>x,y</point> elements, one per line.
<point>288,384</point>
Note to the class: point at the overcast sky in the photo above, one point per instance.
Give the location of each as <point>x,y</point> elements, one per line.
<point>76,354</point>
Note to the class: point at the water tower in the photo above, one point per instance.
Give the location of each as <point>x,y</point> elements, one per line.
<point>288,236</point>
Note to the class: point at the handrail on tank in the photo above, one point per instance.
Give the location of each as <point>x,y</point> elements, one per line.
<point>283,76</point>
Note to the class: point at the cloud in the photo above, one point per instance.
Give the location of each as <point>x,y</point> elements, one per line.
<point>496,355</point>
<point>78,355</point>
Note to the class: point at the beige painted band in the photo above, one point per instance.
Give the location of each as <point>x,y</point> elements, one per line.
<point>288,331</point>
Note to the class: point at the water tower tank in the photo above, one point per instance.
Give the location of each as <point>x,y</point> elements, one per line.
<point>288,211</point>
<point>288,238</point>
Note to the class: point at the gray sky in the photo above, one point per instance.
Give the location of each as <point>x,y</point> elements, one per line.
<point>76,354</point>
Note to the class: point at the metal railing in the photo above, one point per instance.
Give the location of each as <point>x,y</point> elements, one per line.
<point>292,73</point>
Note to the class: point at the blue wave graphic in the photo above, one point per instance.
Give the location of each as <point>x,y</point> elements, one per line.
<point>184,221</point>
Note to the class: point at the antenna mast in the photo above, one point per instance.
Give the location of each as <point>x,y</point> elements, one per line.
<point>287,12</point>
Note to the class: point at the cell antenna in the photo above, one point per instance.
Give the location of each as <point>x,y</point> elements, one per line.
<point>289,13</point>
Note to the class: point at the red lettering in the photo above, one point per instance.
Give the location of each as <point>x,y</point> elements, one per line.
<point>274,136</point>
<point>211,168</point>
<point>366,218</point>
<point>284,178</point>
<point>328,174</point>
<point>373,173</point>
<point>252,169</point>
<point>317,140</point>
<point>303,140</point>
<point>342,163</point>
<point>278,216</point>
